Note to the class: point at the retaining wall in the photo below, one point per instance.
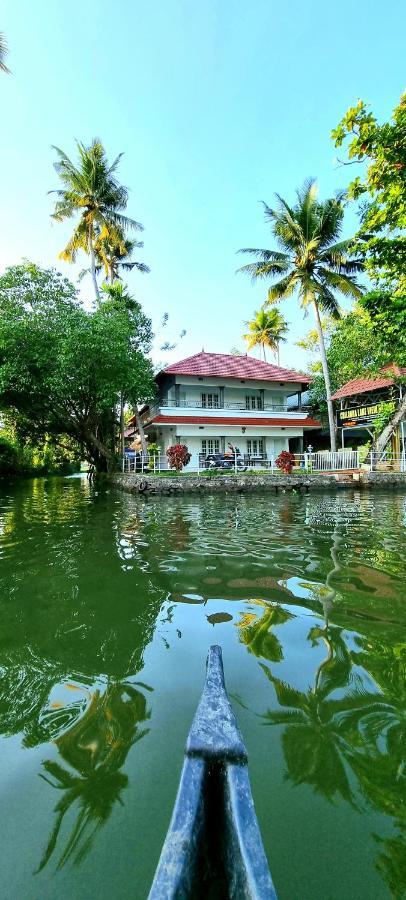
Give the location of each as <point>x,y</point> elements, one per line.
<point>200,484</point>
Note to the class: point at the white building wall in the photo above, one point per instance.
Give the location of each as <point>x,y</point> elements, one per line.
<point>234,392</point>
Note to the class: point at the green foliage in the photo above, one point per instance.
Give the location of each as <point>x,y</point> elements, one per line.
<point>9,457</point>
<point>384,416</point>
<point>381,189</point>
<point>153,450</point>
<point>353,350</point>
<point>388,315</point>
<point>24,458</point>
<point>62,367</point>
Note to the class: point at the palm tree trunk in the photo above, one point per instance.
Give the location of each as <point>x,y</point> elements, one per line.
<point>141,431</point>
<point>277,353</point>
<point>93,265</point>
<point>263,347</point>
<point>326,376</point>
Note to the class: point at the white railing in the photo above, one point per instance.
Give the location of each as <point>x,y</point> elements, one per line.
<point>320,461</point>
<point>385,462</point>
<point>333,461</point>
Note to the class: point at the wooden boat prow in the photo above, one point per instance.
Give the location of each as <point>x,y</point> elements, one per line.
<point>213,848</point>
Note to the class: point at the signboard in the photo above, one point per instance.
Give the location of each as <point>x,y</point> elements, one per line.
<point>360,415</point>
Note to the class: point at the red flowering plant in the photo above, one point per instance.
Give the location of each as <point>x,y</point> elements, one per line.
<point>285,461</point>
<point>178,456</point>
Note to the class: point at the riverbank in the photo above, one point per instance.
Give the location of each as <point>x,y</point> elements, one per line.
<point>201,484</point>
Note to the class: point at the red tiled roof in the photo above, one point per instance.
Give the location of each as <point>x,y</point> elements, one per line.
<point>223,420</point>
<point>374,383</point>
<point>223,365</point>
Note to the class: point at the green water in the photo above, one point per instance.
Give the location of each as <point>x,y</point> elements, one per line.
<point>108,605</point>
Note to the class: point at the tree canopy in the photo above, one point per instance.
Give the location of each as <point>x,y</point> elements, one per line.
<point>352,350</point>
<point>62,367</point>
<point>381,189</point>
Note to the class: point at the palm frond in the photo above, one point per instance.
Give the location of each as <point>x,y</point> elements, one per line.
<point>337,256</point>
<point>327,301</point>
<point>283,288</point>
<point>3,54</point>
<point>341,282</point>
<point>265,255</point>
<point>264,269</point>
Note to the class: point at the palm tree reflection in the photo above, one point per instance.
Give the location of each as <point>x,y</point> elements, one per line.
<point>96,748</point>
<point>321,729</point>
<point>256,632</point>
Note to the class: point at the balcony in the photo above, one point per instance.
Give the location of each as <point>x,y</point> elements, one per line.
<point>171,407</point>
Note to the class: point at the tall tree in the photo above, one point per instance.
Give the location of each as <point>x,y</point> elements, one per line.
<point>313,263</point>
<point>3,54</point>
<point>381,238</point>
<point>380,188</point>
<point>266,329</point>
<point>92,192</point>
<point>62,367</point>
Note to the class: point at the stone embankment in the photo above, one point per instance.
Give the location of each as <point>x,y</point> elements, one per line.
<point>202,484</point>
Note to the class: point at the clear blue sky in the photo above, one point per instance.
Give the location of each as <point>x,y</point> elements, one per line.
<point>217,104</point>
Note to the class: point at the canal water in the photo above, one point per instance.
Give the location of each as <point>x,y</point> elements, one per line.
<point>108,605</point>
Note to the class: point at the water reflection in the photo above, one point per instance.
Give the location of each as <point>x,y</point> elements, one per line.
<point>318,738</point>
<point>96,748</point>
<point>305,594</point>
<point>256,633</point>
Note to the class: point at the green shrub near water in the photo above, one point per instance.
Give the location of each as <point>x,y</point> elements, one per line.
<point>24,459</point>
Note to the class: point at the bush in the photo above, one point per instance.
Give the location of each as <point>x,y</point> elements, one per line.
<point>285,461</point>
<point>178,456</point>
<point>10,463</point>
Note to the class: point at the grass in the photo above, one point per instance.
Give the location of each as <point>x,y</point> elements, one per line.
<point>220,473</point>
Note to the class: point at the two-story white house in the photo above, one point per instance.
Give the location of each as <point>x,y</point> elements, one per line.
<point>210,400</point>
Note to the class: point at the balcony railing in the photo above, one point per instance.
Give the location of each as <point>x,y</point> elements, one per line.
<point>231,407</point>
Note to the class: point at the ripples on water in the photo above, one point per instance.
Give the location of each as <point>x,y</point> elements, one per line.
<point>107,608</point>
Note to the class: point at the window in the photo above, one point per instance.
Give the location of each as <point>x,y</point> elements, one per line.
<point>210,445</point>
<point>255,447</point>
<point>253,401</point>
<point>210,400</point>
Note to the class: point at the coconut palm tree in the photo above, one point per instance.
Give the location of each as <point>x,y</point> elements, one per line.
<point>266,329</point>
<point>3,54</point>
<point>92,191</point>
<point>113,252</point>
<point>312,262</point>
